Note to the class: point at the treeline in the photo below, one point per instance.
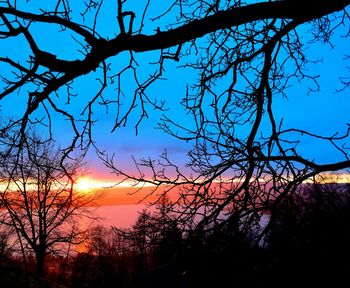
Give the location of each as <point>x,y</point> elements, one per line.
<point>306,242</point>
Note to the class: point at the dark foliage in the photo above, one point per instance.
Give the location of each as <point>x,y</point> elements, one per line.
<point>307,244</point>
<point>309,239</point>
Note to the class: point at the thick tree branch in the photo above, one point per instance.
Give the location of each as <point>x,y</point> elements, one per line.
<point>102,49</point>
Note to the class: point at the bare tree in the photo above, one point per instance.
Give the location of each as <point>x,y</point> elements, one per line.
<point>155,239</point>
<point>251,54</point>
<point>244,159</point>
<point>102,264</point>
<point>41,77</point>
<point>38,200</point>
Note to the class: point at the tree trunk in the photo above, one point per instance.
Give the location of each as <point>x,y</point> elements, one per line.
<point>40,262</point>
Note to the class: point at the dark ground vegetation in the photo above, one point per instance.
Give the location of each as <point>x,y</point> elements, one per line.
<point>306,244</point>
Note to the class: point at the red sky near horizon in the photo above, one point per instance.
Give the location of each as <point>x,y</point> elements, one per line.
<point>110,193</point>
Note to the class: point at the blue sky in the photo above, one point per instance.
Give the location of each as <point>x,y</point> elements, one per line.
<point>324,112</point>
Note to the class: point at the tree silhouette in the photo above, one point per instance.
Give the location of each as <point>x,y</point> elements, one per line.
<point>46,73</point>
<point>38,200</point>
<point>244,160</point>
<point>251,53</point>
<point>103,263</point>
<point>6,243</point>
<point>154,244</point>
<point>309,236</point>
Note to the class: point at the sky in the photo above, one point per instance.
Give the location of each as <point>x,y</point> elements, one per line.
<point>324,112</point>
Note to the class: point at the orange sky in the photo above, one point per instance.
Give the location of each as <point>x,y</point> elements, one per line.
<point>125,194</point>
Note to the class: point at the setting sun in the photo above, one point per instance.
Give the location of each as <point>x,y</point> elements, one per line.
<point>86,184</point>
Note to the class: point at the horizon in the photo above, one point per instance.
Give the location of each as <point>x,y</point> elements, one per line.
<point>126,193</point>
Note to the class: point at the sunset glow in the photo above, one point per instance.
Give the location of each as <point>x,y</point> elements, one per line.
<point>87,184</point>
